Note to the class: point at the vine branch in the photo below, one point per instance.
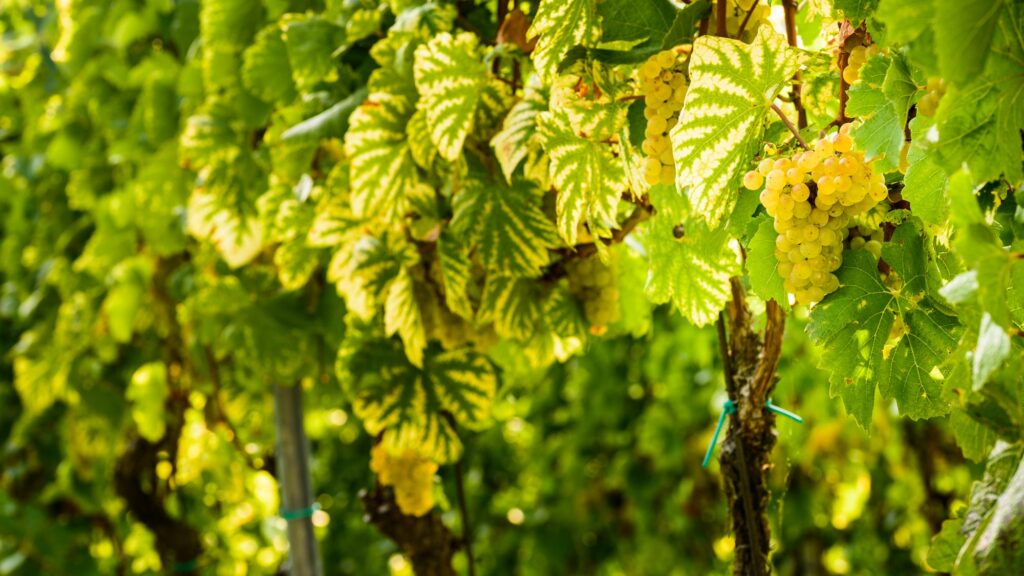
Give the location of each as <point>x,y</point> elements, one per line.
<point>789,8</point>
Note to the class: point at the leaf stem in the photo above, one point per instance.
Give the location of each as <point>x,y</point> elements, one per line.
<point>789,124</point>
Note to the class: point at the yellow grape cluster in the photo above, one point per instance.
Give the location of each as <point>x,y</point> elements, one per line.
<point>410,476</point>
<point>812,196</point>
<point>929,103</point>
<point>663,85</point>
<point>595,284</point>
<point>858,56</point>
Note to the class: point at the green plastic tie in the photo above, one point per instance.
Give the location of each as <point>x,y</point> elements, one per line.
<point>189,566</point>
<point>783,412</point>
<point>727,408</point>
<point>300,514</point>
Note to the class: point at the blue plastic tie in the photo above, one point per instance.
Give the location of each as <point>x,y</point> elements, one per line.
<point>783,412</point>
<point>727,408</point>
<point>300,514</point>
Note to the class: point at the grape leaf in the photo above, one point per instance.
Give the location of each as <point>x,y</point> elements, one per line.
<point>407,404</point>
<point>855,10</point>
<point>331,123</point>
<point>588,178</point>
<point>513,142</point>
<point>512,305</point>
<point>924,185</point>
<point>449,76</point>
<point>643,24</point>
<point>237,238</point>
<point>295,264</point>
<point>692,272</point>
<point>560,25</point>
<point>905,20</point>
<point>402,316</point>
<point>311,41</point>
<point>964,30</point>
<point>506,224</point>
<point>455,271</point>
<point>979,247</point>
<point>732,86</point>
<point>229,22</point>
<point>763,266</point>
<point>976,128</point>
<point>420,145</point>
<point>382,167</point>
<point>887,331</point>
<point>882,99</point>
<point>990,353</point>
<point>974,439</point>
<point>266,71</point>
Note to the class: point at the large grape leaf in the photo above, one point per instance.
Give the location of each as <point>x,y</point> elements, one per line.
<point>408,404</point>
<point>506,225</point>
<point>964,30</point>
<point>885,331</point>
<point>882,99</point>
<point>450,76</point>
<point>560,25</point>
<point>589,180</point>
<point>732,87</point>
<point>693,271</point>
<point>979,123</point>
<point>382,167</point>
<point>513,142</point>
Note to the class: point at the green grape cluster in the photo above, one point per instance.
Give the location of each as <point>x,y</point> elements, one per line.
<point>748,14</point>
<point>869,239</point>
<point>858,56</point>
<point>663,85</point>
<point>410,475</point>
<point>813,195</point>
<point>929,103</point>
<point>594,283</point>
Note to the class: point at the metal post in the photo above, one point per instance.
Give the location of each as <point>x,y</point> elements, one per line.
<point>296,486</point>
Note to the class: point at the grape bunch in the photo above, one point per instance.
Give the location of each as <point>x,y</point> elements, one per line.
<point>812,196</point>
<point>929,103</point>
<point>410,475</point>
<point>594,283</point>
<point>663,85</point>
<point>858,56</point>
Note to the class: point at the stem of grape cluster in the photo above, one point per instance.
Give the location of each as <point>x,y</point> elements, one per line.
<point>789,124</point>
